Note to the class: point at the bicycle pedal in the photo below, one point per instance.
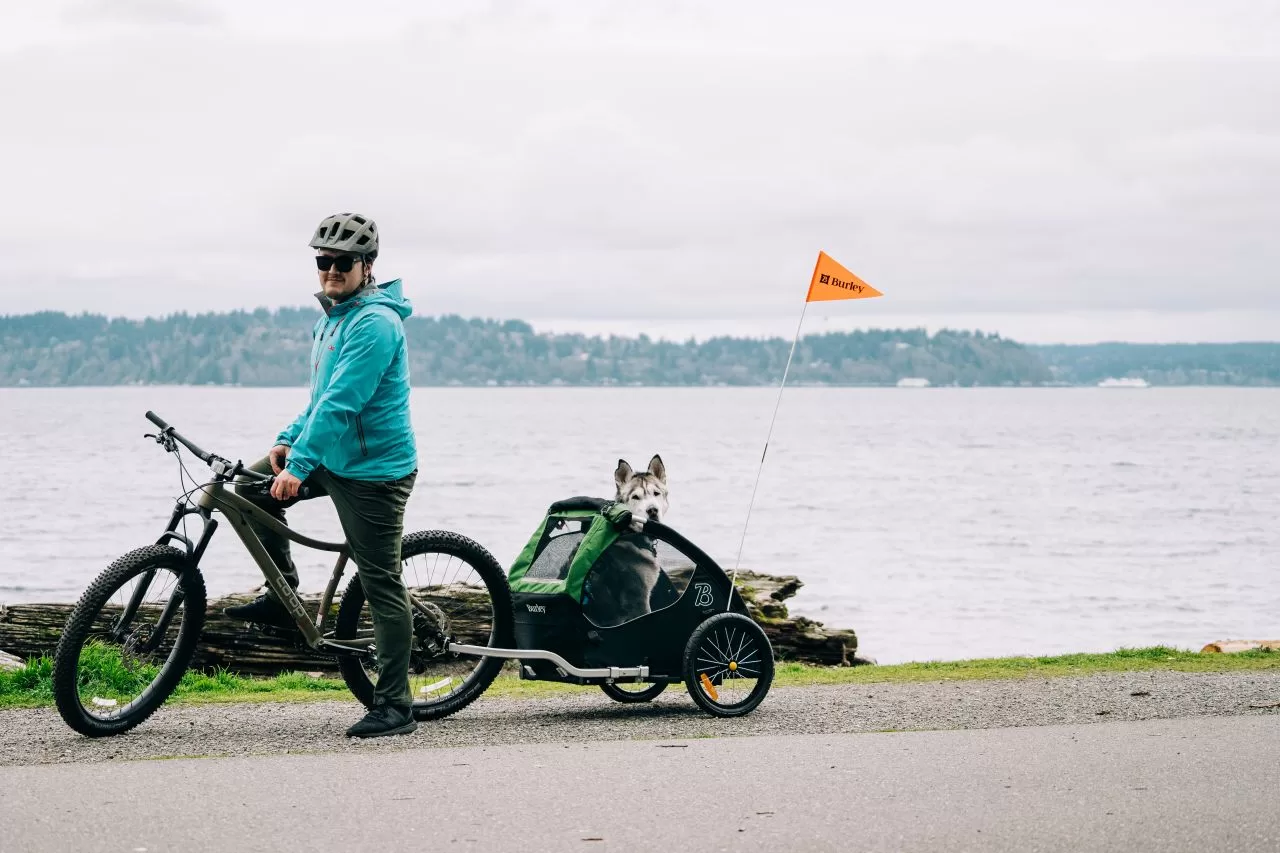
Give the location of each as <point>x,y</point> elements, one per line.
<point>275,631</point>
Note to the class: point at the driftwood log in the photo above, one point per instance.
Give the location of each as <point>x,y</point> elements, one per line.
<point>1234,646</point>
<point>31,630</point>
<point>794,638</point>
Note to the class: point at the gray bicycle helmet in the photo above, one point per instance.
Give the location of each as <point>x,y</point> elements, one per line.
<point>347,232</point>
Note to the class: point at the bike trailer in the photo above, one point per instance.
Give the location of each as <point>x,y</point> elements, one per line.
<point>574,592</point>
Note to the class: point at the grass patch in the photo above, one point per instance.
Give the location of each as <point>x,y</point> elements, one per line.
<point>1121,660</point>
<point>31,685</point>
<point>223,686</point>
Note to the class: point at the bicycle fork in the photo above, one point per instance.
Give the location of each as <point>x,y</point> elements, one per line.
<point>195,550</point>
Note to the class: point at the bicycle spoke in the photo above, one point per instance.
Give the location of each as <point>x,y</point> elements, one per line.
<point>451,603</point>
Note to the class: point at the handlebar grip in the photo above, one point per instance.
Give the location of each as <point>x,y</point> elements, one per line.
<point>157,420</point>
<point>264,486</point>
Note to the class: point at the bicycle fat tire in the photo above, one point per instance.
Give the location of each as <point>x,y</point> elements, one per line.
<point>79,624</point>
<point>495,580</point>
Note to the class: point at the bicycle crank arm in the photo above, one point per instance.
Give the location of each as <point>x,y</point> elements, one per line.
<point>335,648</point>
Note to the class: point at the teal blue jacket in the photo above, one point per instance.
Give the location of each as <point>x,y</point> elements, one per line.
<point>357,423</point>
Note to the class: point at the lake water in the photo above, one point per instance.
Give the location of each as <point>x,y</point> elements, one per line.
<point>938,523</point>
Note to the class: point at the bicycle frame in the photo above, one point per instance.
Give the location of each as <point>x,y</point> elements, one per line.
<point>216,497</point>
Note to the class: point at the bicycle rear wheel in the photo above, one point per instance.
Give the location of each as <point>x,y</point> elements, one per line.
<point>459,594</point>
<point>128,641</point>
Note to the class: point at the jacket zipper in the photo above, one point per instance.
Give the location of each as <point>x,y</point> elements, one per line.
<point>327,332</point>
<point>364,450</point>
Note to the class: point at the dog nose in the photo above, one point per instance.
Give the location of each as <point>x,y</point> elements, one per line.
<point>653,513</point>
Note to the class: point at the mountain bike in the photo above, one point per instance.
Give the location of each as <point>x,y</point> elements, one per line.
<point>133,633</point>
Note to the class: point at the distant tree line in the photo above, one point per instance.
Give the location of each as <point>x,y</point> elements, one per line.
<point>1166,364</point>
<point>271,348</point>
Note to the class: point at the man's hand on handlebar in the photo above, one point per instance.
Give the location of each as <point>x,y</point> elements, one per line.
<point>278,455</point>
<point>285,486</point>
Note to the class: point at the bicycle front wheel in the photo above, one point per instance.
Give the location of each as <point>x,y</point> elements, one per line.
<point>459,593</point>
<point>128,641</point>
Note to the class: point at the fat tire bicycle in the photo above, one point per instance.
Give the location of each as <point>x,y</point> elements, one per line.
<point>132,636</point>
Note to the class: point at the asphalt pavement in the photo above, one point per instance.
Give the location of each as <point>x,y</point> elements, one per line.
<point>1196,784</point>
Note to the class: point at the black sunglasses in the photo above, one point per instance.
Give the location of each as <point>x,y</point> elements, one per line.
<point>344,263</point>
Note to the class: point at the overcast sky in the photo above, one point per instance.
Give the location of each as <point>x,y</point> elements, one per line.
<point>1098,170</point>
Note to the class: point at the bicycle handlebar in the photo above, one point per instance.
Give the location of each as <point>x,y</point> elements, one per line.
<point>159,421</point>
<point>222,467</point>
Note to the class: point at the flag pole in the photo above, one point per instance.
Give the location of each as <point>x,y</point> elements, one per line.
<point>733,577</point>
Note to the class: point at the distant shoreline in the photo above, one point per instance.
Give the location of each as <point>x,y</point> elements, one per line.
<point>271,349</point>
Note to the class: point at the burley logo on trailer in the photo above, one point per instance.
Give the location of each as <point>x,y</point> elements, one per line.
<point>703,598</point>
<point>537,608</point>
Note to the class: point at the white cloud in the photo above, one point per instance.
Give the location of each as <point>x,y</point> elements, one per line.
<point>144,13</point>
<point>664,163</point>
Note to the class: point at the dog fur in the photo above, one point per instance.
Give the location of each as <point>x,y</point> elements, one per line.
<point>628,571</point>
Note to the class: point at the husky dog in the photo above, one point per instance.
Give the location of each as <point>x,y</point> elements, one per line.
<point>621,585</point>
<point>645,494</point>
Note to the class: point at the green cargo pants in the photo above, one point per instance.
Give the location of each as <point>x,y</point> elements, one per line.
<point>372,516</point>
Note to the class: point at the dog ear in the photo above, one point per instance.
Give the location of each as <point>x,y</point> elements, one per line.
<point>623,473</point>
<point>657,469</point>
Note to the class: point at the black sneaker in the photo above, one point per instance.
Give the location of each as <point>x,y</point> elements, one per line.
<point>384,720</point>
<point>263,610</point>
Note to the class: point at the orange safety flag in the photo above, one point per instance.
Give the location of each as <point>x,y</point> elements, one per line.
<point>832,281</point>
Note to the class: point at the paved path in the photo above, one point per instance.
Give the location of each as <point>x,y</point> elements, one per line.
<point>1192,784</point>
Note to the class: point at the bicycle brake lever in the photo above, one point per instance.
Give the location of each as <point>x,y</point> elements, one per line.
<point>164,440</point>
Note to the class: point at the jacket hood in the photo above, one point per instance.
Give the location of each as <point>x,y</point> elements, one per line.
<point>390,294</point>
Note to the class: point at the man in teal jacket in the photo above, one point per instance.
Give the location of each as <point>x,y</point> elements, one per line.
<point>353,442</point>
